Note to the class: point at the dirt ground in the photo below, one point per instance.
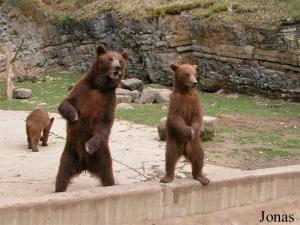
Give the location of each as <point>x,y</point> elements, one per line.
<point>138,156</point>
<point>252,143</point>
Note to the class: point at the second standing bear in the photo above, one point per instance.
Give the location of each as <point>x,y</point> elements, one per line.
<point>183,124</point>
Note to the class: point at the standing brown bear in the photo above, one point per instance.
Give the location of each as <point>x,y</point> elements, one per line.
<point>183,124</point>
<point>38,121</point>
<point>89,110</point>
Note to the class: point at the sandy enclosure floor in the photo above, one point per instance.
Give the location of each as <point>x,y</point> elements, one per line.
<point>137,153</point>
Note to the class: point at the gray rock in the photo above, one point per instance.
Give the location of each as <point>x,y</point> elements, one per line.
<point>208,128</point>
<point>122,91</point>
<point>125,106</point>
<point>132,84</point>
<point>148,95</point>
<point>22,93</point>
<point>163,96</point>
<point>161,129</point>
<point>134,95</point>
<point>124,99</point>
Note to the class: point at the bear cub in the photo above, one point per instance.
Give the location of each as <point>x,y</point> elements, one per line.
<point>183,124</point>
<point>38,121</point>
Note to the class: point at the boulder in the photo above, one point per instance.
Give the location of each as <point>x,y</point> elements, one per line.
<point>148,95</point>
<point>132,84</point>
<point>22,93</point>
<point>134,95</point>
<point>123,99</point>
<point>155,95</point>
<point>208,128</point>
<point>161,129</point>
<point>125,106</point>
<point>163,96</point>
<point>122,91</point>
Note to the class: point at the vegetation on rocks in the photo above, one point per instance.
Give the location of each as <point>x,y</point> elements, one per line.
<point>253,11</point>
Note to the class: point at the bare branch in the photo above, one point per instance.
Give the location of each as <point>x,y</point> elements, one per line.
<point>17,49</point>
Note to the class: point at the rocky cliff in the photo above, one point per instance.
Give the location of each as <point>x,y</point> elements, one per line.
<point>247,59</point>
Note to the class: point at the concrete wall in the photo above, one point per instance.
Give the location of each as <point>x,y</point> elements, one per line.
<point>145,203</point>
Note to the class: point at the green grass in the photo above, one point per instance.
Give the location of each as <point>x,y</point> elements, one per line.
<point>273,137</point>
<point>146,114</point>
<point>270,154</point>
<point>56,88</point>
<point>213,104</point>
<point>50,92</point>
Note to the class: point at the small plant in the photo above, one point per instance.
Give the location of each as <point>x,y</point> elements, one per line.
<point>64,19</point>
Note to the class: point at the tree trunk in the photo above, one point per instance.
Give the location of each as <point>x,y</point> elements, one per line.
<point>11,55</point>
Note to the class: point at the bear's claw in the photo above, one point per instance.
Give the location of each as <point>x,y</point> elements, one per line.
<point>87,149</point>
<point>76,116</point>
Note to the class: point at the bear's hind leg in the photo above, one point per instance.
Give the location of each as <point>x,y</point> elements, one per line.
<point>173,153</point>
<point>34,141</point>
<point>45,137</point>
<point>101,165</point>
<point>68,168</point>
<point>195,154</point>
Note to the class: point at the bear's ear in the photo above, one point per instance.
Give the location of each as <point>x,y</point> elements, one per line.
<point>52,119</point>
<point>125,55</point>
<point>174,67</point>
<point>100,49</point>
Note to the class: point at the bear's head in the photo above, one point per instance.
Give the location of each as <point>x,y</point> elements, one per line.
<point>108,68</point>
<point>185,76</point>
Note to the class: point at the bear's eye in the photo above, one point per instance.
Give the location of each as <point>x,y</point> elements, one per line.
<point>110,59</point>
<point>187,75</point>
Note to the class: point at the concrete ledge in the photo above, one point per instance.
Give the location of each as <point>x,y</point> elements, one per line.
<point>142,202</point>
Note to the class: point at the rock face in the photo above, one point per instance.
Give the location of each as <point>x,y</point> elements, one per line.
<point>22,93</point>
<point>132,84</point>
<point>208,128</point>
<point>247,59</point>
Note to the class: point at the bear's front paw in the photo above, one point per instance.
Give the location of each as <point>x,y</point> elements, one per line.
<point>90,147</point>
<point>192,134</point>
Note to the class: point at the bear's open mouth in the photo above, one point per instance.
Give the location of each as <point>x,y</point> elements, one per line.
<point>114,75</point>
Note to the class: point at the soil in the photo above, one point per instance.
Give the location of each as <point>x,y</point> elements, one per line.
<point>253,153</point>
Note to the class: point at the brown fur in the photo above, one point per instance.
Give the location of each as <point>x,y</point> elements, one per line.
<point>183,124</point>
<point>93,99</point>
<point>38,121</point>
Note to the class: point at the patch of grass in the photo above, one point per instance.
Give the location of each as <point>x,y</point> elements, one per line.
<point>225,129</point>
<point>80,3</point>
<point>217,104</point>
<point>271,154</point>
<point>45,95</point>
<point>175,8</point>
<point>31,8</point>
<point>273,137</point>
<point>145,114</point>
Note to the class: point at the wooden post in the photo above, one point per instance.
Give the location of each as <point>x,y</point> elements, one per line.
<point>11,55</point>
